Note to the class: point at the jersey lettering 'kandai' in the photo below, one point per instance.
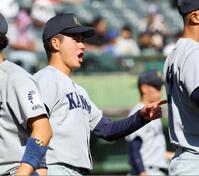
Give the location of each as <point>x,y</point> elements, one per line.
<point>76,101</point>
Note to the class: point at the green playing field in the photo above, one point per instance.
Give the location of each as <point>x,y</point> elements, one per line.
<point>111,90</point>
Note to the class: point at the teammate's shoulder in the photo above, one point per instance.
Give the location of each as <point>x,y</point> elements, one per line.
<point>191,51</point>
<point>189,45</point>
<point>47,76</point>
<point>46,72</point>
<point>13,70</point>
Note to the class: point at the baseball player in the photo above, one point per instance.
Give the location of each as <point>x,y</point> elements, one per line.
<point>147,146</point>
<point>24,127</point>
<point>181,74</point>
<point>73,115</point>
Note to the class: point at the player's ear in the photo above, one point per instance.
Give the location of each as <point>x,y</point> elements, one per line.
<point>144,88</point>
<point>55,44</point>
<point>194,17</point>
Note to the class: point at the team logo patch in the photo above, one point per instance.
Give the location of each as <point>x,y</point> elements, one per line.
<point>34,100</point>
<point>40,143</point>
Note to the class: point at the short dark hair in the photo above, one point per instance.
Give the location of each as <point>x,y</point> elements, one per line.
<point>127,28</point>
<point>140,90</point>
<point>3,41</point>
<point>48,45</point>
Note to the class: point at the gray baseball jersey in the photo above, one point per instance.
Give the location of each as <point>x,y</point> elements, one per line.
<point>181,74</point>
<point>153,142</point>
<point>19,101</point>
<point>72,116</point>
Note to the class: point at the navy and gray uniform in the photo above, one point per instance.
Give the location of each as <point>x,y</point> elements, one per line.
<point>150,155</point>
<point>19,101</point>
<point>181,74</point>
<point>73,116</point>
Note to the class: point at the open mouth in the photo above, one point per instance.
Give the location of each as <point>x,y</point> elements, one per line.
<point>80,56</point>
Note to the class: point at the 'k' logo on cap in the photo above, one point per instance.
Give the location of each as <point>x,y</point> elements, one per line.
<point>76,21</point>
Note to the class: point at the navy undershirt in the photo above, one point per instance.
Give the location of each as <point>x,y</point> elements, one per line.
<point>135,156</point>
<point>112,130</point>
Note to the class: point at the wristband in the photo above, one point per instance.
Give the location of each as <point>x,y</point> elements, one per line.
<point>42,163</point>
<point>34,153</point>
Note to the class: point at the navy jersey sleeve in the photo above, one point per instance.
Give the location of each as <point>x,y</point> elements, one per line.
<point>112,130</point>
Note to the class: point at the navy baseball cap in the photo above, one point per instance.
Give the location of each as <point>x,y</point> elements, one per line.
<point>65,24</point>
<point>152,77</point>
<point>187,6</point>
<point>3,25</point>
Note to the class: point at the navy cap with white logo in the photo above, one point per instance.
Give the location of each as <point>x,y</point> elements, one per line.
<point>66,24</point>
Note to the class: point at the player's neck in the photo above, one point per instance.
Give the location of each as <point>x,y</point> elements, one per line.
<point>60,66</point>
<point>191,33</point>
<point>146,100</point>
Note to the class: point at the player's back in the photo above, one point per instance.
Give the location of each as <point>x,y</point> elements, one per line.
<point>181,78</point>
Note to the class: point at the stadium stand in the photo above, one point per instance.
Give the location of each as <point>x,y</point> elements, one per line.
<point>117,13</point>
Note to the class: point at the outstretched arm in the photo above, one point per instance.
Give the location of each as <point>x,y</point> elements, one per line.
<point>112,130</point>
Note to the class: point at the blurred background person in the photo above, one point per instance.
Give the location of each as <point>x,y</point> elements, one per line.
<point>111,46</point>
<point>99,40</point>
<point>25,34</point>
<point>145,43</point>
<point>147,146</point>
<point>22,45</point>
<point>155,20</point>
<point>126,47</point>
<point>126,44</point>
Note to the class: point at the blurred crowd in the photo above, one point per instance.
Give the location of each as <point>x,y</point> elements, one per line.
<point>26,19</point>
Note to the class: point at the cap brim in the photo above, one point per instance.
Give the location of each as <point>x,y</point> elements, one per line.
<point>157,84</point>
<point>85,31</point>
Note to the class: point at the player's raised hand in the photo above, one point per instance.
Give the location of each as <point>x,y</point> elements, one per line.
<point>152,111</point>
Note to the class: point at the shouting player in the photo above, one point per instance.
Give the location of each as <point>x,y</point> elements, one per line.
<point>73,116</point>
<point>24,127</point>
